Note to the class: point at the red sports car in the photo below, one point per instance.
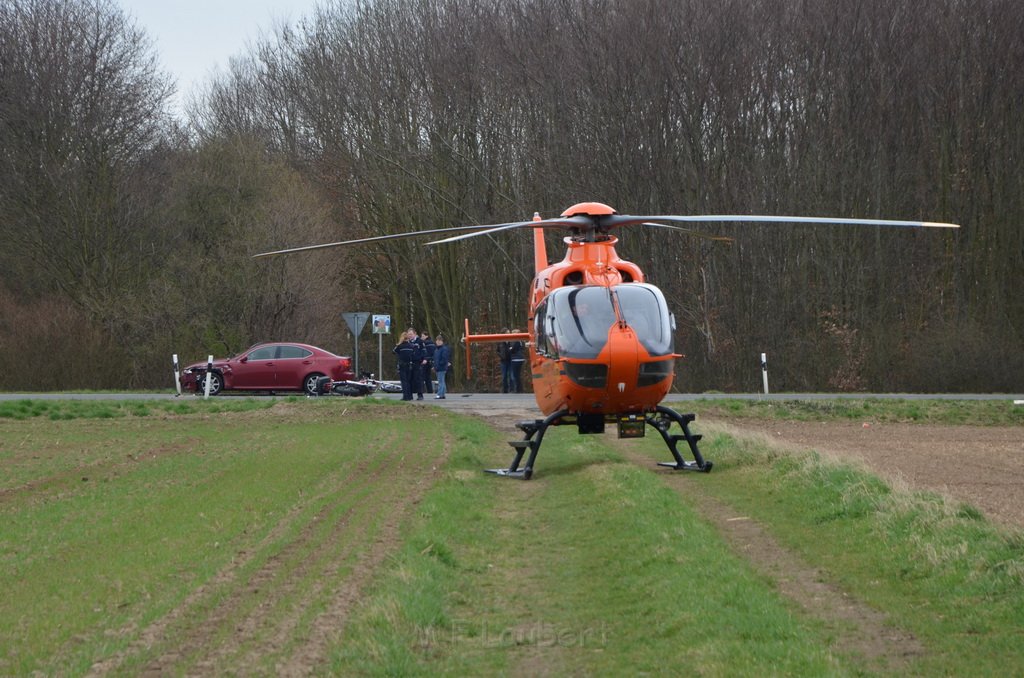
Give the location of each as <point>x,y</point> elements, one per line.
<point>269,367</point>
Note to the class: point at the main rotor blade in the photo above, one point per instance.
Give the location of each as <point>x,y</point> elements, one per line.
<point>627,220</point>
<point>568,222</point>
<point>697,234</point>
<point>392,236</point>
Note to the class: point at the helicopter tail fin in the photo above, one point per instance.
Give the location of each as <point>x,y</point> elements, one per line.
<point>540,254</point>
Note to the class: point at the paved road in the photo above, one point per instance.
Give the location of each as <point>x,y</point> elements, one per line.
<point>525,400</point>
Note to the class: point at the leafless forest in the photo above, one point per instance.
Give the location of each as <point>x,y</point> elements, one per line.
<point>127,233</point>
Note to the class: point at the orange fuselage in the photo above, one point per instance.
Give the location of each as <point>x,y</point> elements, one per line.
<point>599,337</point>
<point>594,264</point>
<point>623,354</point>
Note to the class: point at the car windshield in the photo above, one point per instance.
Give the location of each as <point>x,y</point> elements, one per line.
<point>579,318</point>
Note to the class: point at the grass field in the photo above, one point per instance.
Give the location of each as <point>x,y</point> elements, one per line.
<point>361,538</point>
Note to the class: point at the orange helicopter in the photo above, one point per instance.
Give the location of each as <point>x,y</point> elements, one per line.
<point>600,338</point>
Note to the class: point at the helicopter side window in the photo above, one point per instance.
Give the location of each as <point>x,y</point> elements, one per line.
<point>644,309</point>
<point>541,331</point>
<point>579,320</point>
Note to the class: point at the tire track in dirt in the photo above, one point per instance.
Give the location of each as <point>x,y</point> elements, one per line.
<point>155,633</point>
<point>199,642</point>
<point>280,578</point>
<point>856,628</point>
<point>69,481</point>
<point>260,635</point>
<point>410,486</point>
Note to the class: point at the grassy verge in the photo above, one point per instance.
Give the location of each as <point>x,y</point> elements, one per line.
<point>943,412</point>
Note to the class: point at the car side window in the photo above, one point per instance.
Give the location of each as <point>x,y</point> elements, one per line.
<point>293,352</point>
<point>265,353</point>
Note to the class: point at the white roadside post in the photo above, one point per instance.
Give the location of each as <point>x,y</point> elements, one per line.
<point>177,376</point>
<point>209,369</point>
<point>764,371</point>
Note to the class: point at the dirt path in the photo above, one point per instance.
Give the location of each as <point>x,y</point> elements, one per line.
<point>980,465</point>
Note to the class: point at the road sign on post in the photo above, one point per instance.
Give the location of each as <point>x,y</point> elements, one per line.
<point>381,326</point>
<point>355,322</point>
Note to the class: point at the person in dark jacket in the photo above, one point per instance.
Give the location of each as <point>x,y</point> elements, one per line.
<point>517,356</point>
<point>428,347</point>
<point>505,358</point>
<point>409,359</point>
<point>442,361</point>
<point>417,373</point>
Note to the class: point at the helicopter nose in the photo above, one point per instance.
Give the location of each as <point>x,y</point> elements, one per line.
<point>624,360</point>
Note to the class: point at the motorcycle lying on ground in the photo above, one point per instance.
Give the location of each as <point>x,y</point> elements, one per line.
<point>385,386</point>
<point>348,387</point>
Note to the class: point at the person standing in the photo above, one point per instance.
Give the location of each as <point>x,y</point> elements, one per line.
<point>505,359</point>
<point>442,361</point>
<point>417,372</point>
<point>427,345</point>
<point>517,356</point>
<point>408,354</point>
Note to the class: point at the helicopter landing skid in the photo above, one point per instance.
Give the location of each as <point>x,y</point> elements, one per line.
<point>536,427</point>
<point>662,421</point>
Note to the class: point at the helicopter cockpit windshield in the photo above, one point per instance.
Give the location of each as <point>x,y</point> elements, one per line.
<point>645,311</point>
<point>573,322</point>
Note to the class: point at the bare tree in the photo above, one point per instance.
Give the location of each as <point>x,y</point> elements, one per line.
<point>81,102</point>
<point>383,116</point>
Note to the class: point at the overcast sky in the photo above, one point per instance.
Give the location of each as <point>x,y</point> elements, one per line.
<point>193,37</point>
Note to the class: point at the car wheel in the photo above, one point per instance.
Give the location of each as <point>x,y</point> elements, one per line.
<point>216,384</point>
<point>309,384</point>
